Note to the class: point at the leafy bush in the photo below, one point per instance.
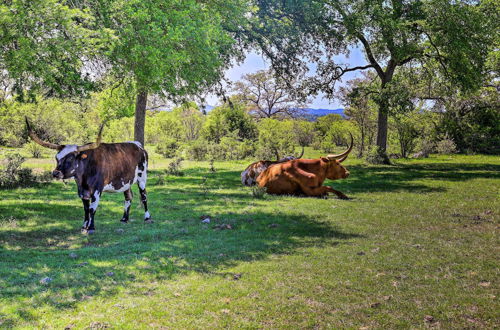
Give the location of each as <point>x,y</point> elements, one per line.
<point>446,147</point>
<point>34,149</point>
<point>195,150</point>
<point>13,175</point>
<point>174,167</point>
<point>167,148</point>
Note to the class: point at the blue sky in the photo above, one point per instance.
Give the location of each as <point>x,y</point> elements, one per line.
<point>255,62</point>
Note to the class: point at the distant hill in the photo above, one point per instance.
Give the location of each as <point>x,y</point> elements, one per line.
<point>310,113</point>
<point>315,113</point>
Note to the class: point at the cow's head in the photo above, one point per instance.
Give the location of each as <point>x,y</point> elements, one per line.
<point>69,156</point>
<point>334,168</point>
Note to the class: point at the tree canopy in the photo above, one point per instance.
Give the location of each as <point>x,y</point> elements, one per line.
<point>457,35</point>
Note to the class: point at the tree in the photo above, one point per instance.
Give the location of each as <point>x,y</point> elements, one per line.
<point>172,48</point>
<point>269,97</point>
<point>44,46</point>
<point>455,34</point>
<point>361,109</point>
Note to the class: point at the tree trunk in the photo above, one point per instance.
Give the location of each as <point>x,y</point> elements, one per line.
<point>382,127</point>
<point>140,116</point>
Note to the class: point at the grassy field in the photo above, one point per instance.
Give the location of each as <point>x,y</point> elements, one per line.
<point>416,246</point>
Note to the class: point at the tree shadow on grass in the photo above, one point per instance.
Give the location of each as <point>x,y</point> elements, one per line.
<point>160,251</point>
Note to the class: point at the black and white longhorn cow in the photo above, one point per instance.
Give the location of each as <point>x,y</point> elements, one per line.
<point>98,167</point>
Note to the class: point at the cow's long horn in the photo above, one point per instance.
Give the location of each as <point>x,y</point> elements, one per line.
<point>94,144</point>
<point>301,154</point>
<point>35,138</point>
<point>341,157</point>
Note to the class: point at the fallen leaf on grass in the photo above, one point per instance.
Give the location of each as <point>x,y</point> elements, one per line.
<point>360,253</point>
<point>46,280</point>
<point>484,284</point>
<point>237,276</point>
<point>375,305</point>
<point>375,250</point>
<point>110,274</point>
<point>225,311</point>
<point>177,294</point>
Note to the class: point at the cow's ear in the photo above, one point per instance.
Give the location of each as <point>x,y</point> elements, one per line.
<point>326,160</point>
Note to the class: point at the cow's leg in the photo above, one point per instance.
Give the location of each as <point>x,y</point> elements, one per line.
<point>339,194</point>
<point>90,210</point>
<point>315,191</point>
<point>126,208</point>
<point>141,182</point>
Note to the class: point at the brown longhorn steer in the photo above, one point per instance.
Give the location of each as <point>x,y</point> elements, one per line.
<point>305,176</point>
<point>98,167</point>
<point>250,174</point>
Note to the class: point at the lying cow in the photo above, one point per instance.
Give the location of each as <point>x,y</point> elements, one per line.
<point>305,176</point>
<point>98,167</point>
<point>250,174</point>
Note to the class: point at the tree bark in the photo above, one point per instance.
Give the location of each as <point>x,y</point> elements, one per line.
<point>382,127</point>
<point>140,116</point>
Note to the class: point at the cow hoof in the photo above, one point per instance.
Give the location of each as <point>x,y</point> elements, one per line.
<point>88,231</point>
<point>123,220</point>
<point>344,197</point>
<point>148,220</point>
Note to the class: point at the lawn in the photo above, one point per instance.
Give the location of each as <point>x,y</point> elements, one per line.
<point>416,246</point>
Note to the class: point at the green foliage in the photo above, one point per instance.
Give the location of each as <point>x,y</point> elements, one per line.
<point>324,123</point>
<point>12,175</point>
<point>115,102</point>
<point>170,47</point>
<point>54,120</point>
<point>34,149</point>
<point>338,135</point>
<point>473,122</point>
<point>276,139</point>
<point>119,130</point>
<point>43,45</point>
<point>225,121</point>
<point>446,147</point>
<point>167,148</point>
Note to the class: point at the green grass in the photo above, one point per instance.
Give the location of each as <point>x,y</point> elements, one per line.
<point>417,238</point>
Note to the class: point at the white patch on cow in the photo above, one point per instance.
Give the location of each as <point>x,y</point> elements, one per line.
<point>147,215</point>
<point>137,143</point>
<point>127,205</point>
<point>67,150</point>
<point>95,203</point>
<point>144,175</point>
<point>109,188</point>
<point>244,175</point>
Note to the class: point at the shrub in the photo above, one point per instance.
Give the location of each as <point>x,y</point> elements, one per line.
<point>195,150</point>
<point>34,149</point>
<point>446,147</point>
<point>13,175</point>
<point>167,148</point>
<point>174,167</point>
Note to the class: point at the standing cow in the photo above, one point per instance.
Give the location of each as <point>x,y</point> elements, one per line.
<point>98,167</point>
<point>305,176</point>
